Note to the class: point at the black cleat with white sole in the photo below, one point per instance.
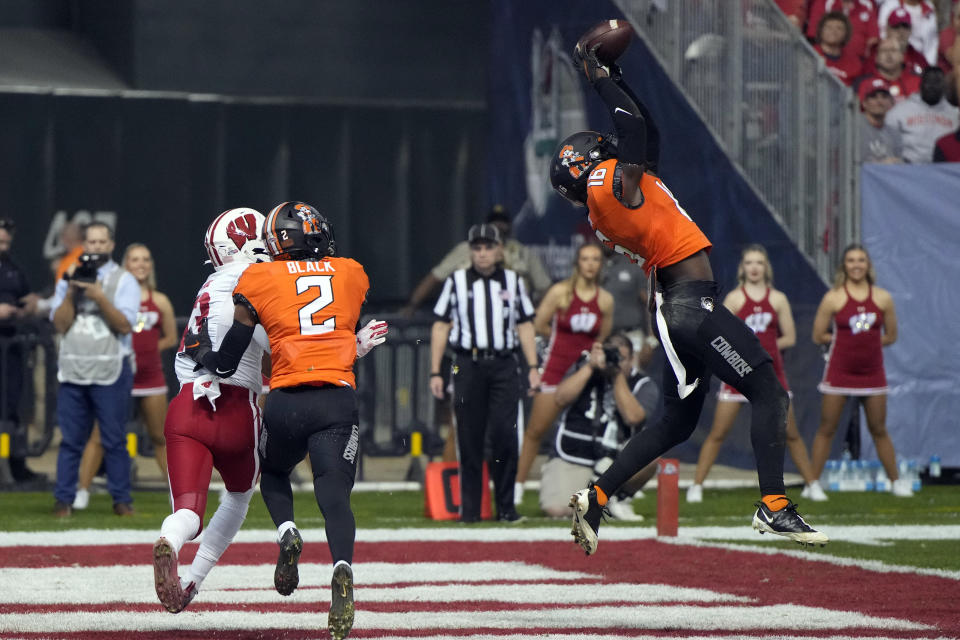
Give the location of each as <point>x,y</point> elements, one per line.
<point>788,523</point>
<point>340,619</point>
<point>587,514</point>
<point>287,576</point>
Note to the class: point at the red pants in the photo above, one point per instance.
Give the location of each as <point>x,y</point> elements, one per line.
<point>199,438</point>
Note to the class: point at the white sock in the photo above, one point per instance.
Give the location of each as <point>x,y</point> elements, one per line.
<point>218,535</point>
<point>180,526</point>
<point>340,563</point>
<point>283,528</point>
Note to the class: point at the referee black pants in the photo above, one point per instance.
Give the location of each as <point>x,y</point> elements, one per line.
<point>485,397</point>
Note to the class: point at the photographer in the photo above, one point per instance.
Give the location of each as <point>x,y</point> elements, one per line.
<point>94,306</point>
<point>605,400</point>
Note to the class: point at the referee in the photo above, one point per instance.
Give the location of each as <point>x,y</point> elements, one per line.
<point>484,312</point>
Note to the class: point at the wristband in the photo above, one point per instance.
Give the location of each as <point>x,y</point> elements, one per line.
<point>436,375</point>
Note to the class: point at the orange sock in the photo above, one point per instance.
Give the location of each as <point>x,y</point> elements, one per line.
<point>601,496</point>
<point>775,502</point>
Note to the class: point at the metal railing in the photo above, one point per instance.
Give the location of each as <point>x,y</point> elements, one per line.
<point>766,95</point>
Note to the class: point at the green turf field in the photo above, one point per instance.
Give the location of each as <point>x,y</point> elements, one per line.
<point>934,505</point>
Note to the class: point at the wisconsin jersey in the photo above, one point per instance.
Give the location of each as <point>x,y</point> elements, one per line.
<point>214,302</point>
<point>656,233</point>
<point>310,310</point>
<point>762,318</point>
<point>855,360</point>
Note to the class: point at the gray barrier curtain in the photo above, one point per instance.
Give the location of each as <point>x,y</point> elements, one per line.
<point>400,183</point>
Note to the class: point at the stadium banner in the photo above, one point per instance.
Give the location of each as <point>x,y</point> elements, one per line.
<point>537,98</point>
<point>911,229</point>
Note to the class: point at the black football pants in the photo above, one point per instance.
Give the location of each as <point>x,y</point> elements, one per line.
<point>321,422</point>
<point>486,393</point>
<point>709,339</point>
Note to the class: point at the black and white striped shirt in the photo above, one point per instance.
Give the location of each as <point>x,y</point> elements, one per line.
<point>484,311</point>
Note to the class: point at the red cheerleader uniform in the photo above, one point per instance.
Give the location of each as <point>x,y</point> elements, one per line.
<point>148,379</point>
<point>855,359</point>
<point>574,330</point>
<point>762,318</point>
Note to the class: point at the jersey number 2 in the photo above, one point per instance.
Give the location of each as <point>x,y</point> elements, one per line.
<point>307,326</point>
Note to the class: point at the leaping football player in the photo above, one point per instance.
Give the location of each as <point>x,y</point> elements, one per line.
<point>634,213</point>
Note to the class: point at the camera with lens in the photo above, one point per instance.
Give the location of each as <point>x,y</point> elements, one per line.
<point>611,354</point>
<point>87,266</point>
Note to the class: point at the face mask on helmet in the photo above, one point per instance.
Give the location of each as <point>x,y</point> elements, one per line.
<point>236,235</point>
<point>573,160</point>
<point>297,231</point>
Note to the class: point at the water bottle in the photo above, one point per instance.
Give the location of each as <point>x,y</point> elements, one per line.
<point>934,468</point>
<point>846,472</point>
<point>913,472</point>
<point>832,476</point>
<point>881,481</point>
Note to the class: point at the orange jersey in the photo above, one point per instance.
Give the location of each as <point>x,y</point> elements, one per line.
<point>657,233</point>
<point>309,310</point>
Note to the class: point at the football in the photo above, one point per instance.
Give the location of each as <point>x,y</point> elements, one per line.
<point>612,36</point>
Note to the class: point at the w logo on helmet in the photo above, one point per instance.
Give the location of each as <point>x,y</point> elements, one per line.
<point>572,160</point>
<point>241,229</point>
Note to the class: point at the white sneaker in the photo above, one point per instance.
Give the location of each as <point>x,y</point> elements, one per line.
<point>517,493</point>
<point>623,510</point>
<point>695,493</point>
<point>82,499</point>
<point>814,492</point>
<point>902,488</point>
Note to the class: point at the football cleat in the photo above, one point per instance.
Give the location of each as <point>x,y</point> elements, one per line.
<point>189,593</point>
<point>287,577</point>
<point>165,577</point>
<point>340,619</point>
<point>788,523</point>
<point>587,514</point>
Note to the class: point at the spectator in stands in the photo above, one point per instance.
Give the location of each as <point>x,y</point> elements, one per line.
<point>154,331</point>
<point>833,34</point>
<point>857,319</point>
<point>863,22</point>
<point>921,16</point>
<point>767,312</point>
<point>574,314</point>
<point>605,400</point>
<point>888,65</point>
<point>947,148</point>
<point>948,41</point>
<point>879,142</point>
<point>628,285</point>
<point>899,26</point>
<point>96,310</point>
<point>514,256</point>
<point>16,303</point>
<point>795,10</point>
<point>924,117</point>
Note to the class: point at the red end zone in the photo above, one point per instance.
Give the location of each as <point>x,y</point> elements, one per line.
<point>777,595</point>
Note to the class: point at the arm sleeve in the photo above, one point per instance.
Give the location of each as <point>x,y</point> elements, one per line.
<point>224,362</point>
<point>638,139</point>
<point>647,394</point>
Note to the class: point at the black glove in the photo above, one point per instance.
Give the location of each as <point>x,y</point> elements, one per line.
<point>589,64</point>
<point>196,345</point>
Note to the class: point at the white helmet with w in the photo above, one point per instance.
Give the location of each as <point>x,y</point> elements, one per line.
<point>236,235</point>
